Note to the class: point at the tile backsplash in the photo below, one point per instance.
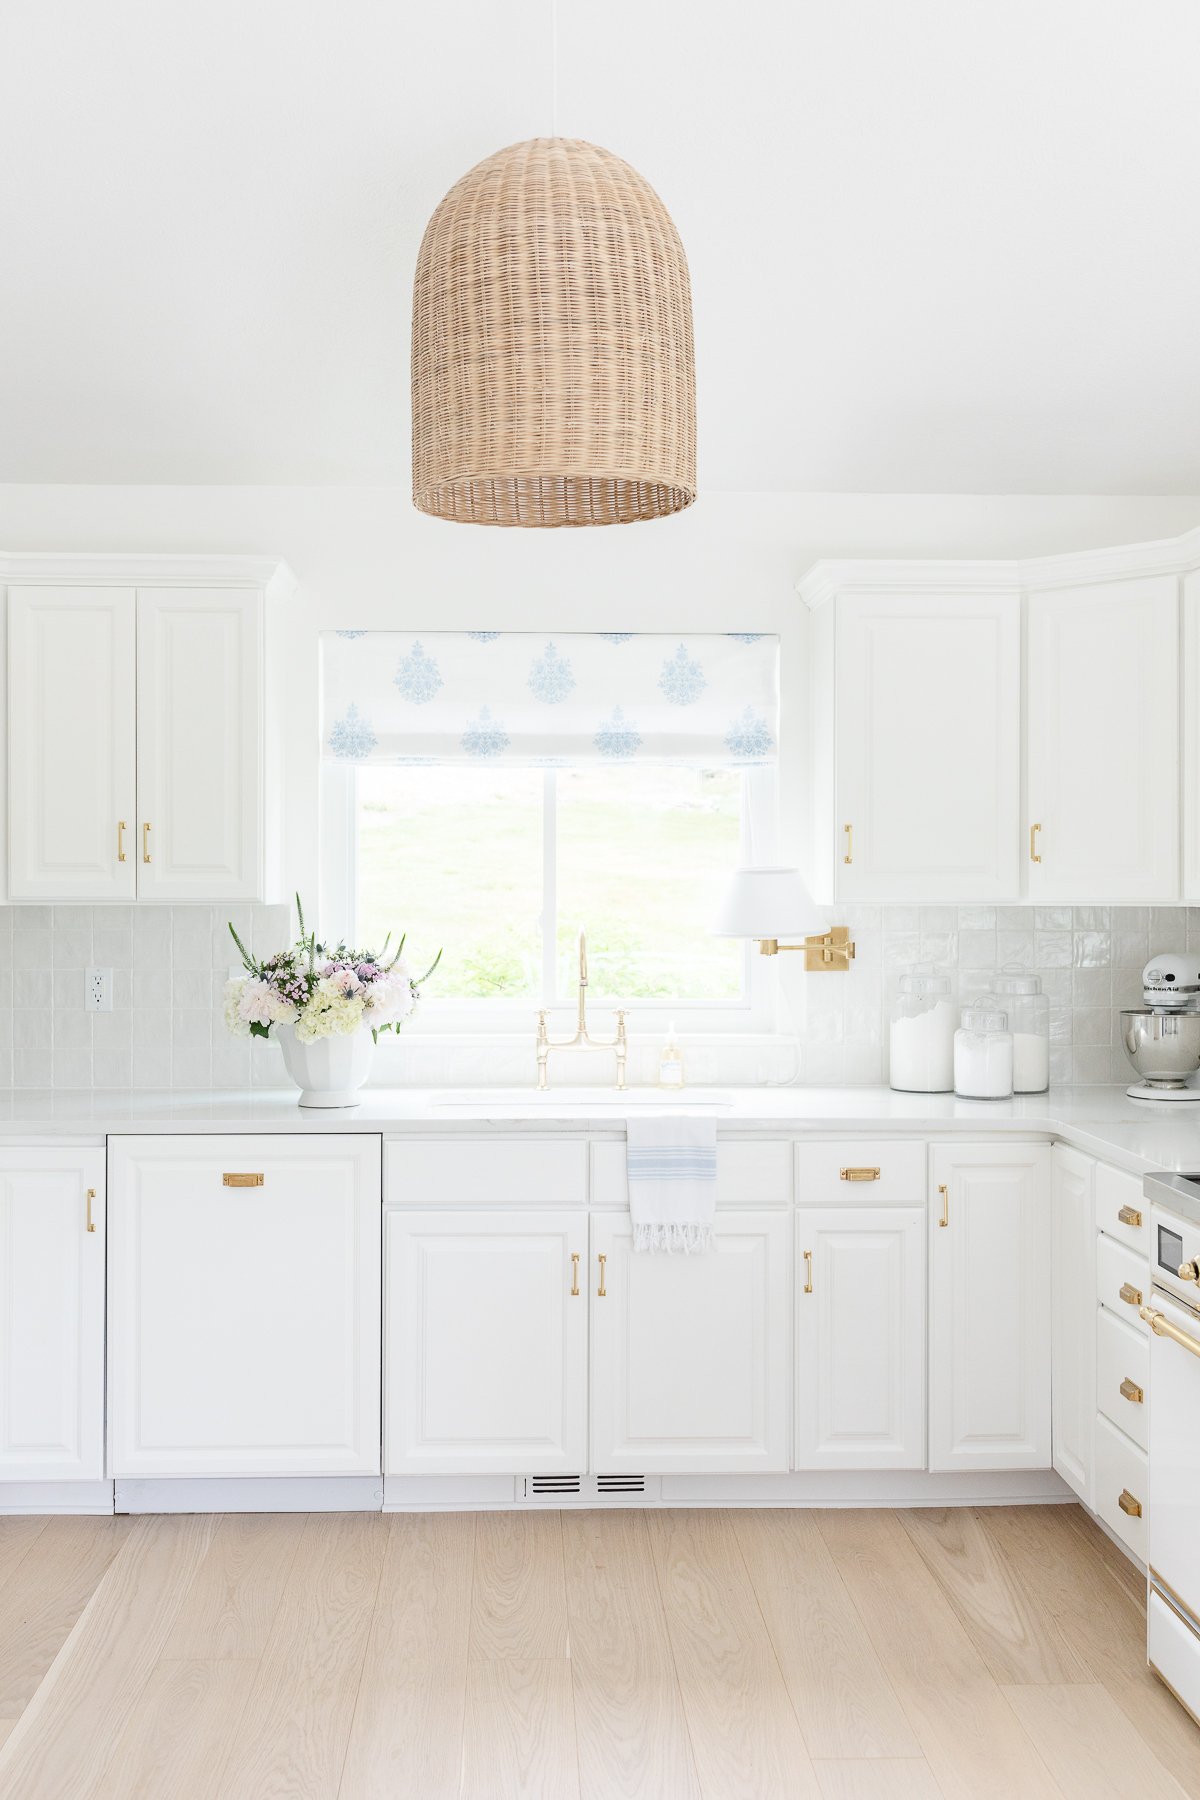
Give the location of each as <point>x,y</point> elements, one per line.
<point>1090,959</point>
<point>170,965</point>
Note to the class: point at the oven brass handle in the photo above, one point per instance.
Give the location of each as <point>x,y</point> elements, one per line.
<point>601,1291</point>
<point>89,1221</point>
<point>849,831</point>
<point>241,1180</point>
<point>945,1193</point>
<point>808,1271</point>
<point>146,856</point>
<point>858,1174</point>
<point>1128,1504</point>
<point>1161,1326</point>
<point>1034,854</point>
<point>121,840</point>
<point>1129,1215</point>
<point>1129,1294</point>
<point>1129,1390</point>
<point>574,1272</point>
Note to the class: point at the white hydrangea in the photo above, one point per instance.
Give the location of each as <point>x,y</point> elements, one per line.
<point>260,1004</point>
<point>234,1021</point>
<point>329,1012</point>
<point>391,997</point>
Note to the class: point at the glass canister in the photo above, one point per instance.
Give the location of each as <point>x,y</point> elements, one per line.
<point>983,1052</point>
<point>1020,994</point>
<point>921,1034</point>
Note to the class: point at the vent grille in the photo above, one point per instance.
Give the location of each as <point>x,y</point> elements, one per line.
<point>588,1490</point>
<point>620,1484</point>
<point>555,1484</point>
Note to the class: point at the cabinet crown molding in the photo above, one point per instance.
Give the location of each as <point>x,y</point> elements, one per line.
<point>1160,556</point>
<point>269,574</point>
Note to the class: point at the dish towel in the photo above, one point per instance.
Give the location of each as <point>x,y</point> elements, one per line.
<point>672,1182</point>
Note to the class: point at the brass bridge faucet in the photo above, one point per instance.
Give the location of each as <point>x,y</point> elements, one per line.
<point>581,1040</point>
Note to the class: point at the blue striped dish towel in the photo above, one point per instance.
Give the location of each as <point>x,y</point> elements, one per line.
<point>672,1182</point>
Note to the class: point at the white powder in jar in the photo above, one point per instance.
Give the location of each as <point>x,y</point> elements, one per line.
<point>983,1064</point>
<point>921,1051</point>
<point>1031,1062</point>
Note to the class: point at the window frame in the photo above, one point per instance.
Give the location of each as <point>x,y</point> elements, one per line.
<point>754,1013</point>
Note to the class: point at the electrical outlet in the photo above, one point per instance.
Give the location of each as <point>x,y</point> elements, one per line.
<point>97,990</point>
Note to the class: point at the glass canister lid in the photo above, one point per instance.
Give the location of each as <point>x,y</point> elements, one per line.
<point>925,982</point>
<point>1014,980</point>
<point>984,1016</point>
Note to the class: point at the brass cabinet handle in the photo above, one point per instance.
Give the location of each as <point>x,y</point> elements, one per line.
<point>1128,1504</point>
<point>601,1291</point>
<point>858,1174</point>
<point>1130,1390</point>
<point>1129,1215</point>
<point>574,1271</point>
<point>1129,1294</point>
<point>849,831</point>
<point>1033,849</point>
<point>1161,1326</point>
<point>240,1180</point>
<point>945,1193</point>
<point>120,840</point>
<point>91,1223</point>
<point>808,1271</point>
<point>146,856</point>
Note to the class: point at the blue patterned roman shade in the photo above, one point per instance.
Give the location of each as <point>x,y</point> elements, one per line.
<point>610,696</point>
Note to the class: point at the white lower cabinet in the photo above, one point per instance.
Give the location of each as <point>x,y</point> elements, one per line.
<point>51,1315</point>
<point>244,1305</point>
<point>690,1355</point>
<point>486,1342</point>
<point>989,1306</point>
<point>860,1337</point>
<point>1073,1349</point>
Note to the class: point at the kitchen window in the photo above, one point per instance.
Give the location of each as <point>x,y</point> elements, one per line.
<point>499,823</point>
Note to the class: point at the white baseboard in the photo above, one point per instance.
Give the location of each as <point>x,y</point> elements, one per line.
<point>250,1494</point>
<point>56,1496</point>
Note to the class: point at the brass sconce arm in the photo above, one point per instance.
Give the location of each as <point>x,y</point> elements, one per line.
<point>829,952</point>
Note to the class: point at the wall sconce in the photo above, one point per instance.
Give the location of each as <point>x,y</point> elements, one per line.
<point>769,903</point>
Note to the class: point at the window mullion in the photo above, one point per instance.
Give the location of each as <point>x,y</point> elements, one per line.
<point>549,887</point>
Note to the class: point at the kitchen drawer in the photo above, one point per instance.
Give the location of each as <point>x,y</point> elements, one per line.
<point>1121,1210</point>
<point>1120,1276</point>
<point>748,1174</point>
<point>871,1171</point>
<point>483,1171</point>
<point>1122,1356</point>
<point>1121,1478</point>
<point>1173,1651</point>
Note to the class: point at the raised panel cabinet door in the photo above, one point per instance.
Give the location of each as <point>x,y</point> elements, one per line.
<point>1073,1315</point>
<point>71,726</point>
<point>1103,742</point>
<point>860,1337</point>
<point>691,1355</point>
<point>989,1307</point>
<point>51,1315</point>
<point>200,677</point>
<point>486,1343</point>
<point>928,754</point>
<point>244,1305</point>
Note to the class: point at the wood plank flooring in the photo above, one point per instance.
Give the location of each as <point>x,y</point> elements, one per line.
<point>967,1654</point>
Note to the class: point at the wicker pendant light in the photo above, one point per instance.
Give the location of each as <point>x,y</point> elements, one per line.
<point>553,380</point>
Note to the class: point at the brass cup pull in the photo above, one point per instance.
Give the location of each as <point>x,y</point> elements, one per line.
<point>601,1291</point>
<point>858,1174</point>
<point>1129,1215</point>
<point>90,1222</point>
<point>849,831</point>
<point>1130,1295</point>
<point>1128,1504</point>
<point>242,1180</point>
<point>120,840</point>
<point>146,856</point>
<point>1131,1391</point>
<point>1034,855</point>
<point>574,1271</point>
<point>808,1272</point>
<point>945,1193</point>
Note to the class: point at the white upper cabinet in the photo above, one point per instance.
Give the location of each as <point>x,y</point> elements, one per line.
<point>1103,742</point>
<point>71,757</point>
<point>199,749</point>
<point>927,745</point>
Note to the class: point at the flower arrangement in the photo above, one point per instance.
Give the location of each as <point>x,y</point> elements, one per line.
<point>322,990</point>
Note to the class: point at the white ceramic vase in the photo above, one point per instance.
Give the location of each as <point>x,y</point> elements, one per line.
<point>330,1070</point>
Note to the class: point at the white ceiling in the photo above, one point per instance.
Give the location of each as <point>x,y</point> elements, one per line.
<point>936,245</point>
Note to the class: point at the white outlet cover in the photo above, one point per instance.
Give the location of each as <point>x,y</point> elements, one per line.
<point>98,990</point>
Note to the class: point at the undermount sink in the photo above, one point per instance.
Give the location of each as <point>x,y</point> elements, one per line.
<point>589,1099</point>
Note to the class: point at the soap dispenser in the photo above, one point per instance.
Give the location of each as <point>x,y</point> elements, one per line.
<point>670,1063</point>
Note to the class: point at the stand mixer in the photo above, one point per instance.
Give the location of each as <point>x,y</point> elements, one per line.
<point>1162,1036</point>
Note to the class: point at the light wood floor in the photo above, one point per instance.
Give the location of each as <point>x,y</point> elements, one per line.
<point>995,1654</point>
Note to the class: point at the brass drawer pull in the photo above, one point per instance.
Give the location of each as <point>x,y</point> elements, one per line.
<point>858,1174</point>
<point>120,840</point>
<point>90,1222</point>
<point>574,1271</point>
<point>1131,1391</point>
<point>849,831</point>
<point>1129,1215</point>
<point>1130,1295</point>
<point>1129,1505</point>
<point>601,1291</point>
<point>808,1271</point>
<point>146,856</point>
<point>945,1193</point>
<point>1034,855</point>
<point>242,1180</point>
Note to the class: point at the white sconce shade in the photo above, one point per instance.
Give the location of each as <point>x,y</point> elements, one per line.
<point>768,903</point>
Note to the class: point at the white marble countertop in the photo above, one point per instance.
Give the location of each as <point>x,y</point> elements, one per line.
<point>1102,1121</point>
